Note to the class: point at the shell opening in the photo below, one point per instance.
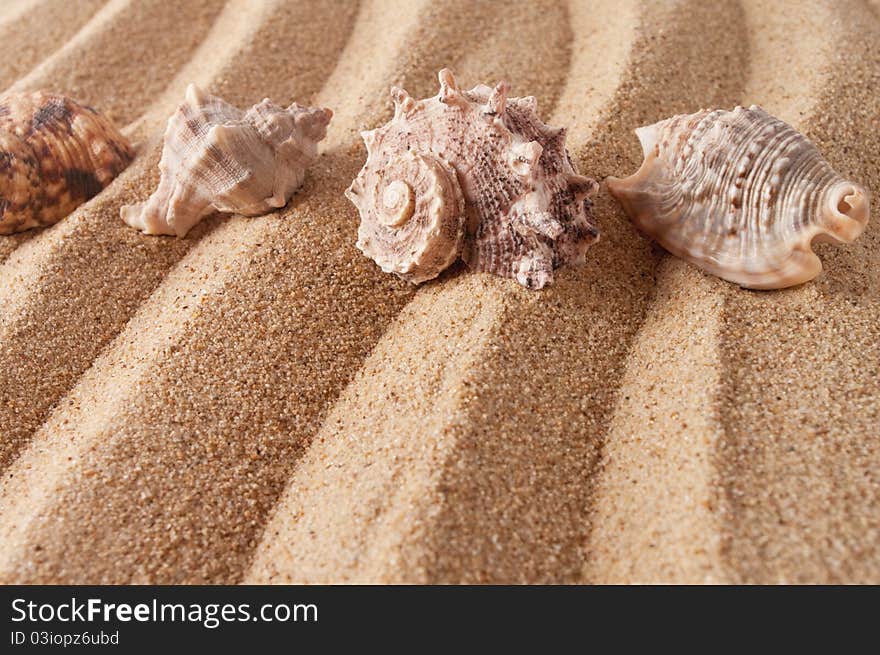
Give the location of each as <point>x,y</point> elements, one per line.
<point>448,87</point>
<point>398,204</point>
<point>846,211</point>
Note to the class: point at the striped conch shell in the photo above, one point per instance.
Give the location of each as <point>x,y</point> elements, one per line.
<point>740,194</point>
<point>217,157</point>
<point>54,155</point>
<point>471,174</point>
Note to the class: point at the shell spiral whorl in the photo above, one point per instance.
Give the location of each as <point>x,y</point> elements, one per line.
<point>398,204</point>
<point>412,216</point>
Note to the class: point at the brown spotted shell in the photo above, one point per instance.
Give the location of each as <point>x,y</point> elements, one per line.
<point>473,174</point>
<point>216,157</point>
<point>740,194</point>
<point>54,155</point>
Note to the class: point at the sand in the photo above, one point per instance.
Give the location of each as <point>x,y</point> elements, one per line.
<point>259,403</point>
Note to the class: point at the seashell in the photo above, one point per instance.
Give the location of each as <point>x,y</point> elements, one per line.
<point>471,174</point>
<point>54,155</point>
<point>217,157</point>
<point>740,194</point>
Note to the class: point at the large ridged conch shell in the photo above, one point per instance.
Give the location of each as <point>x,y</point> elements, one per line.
<point>217,157</point>
<point>473,174</point>
<point>740,194</point>
<point>54,155</point>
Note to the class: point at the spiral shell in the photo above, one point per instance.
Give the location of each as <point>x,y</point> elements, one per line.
<point>740,194</point>
<point>473,174</point>
<point>54,155</point>
<point>216,157</point>
<point>416,216</point>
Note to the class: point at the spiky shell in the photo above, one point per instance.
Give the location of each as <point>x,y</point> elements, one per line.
<point>494,185</point>
<point>216,157</point>
<point>54,155</point>
<point>740,194</point>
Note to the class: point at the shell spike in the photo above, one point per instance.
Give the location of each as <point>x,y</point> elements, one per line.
<point>448,87</point>
<point>528,104</point>
<point>403,103</point>
<point>556,137</point>
<point>353,192</point>
<point>194,94</point>
<point>369,137</point>
<point>497,99</point>
<point>582,187</point>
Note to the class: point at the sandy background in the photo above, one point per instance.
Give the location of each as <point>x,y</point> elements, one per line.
<point>258,402</point>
